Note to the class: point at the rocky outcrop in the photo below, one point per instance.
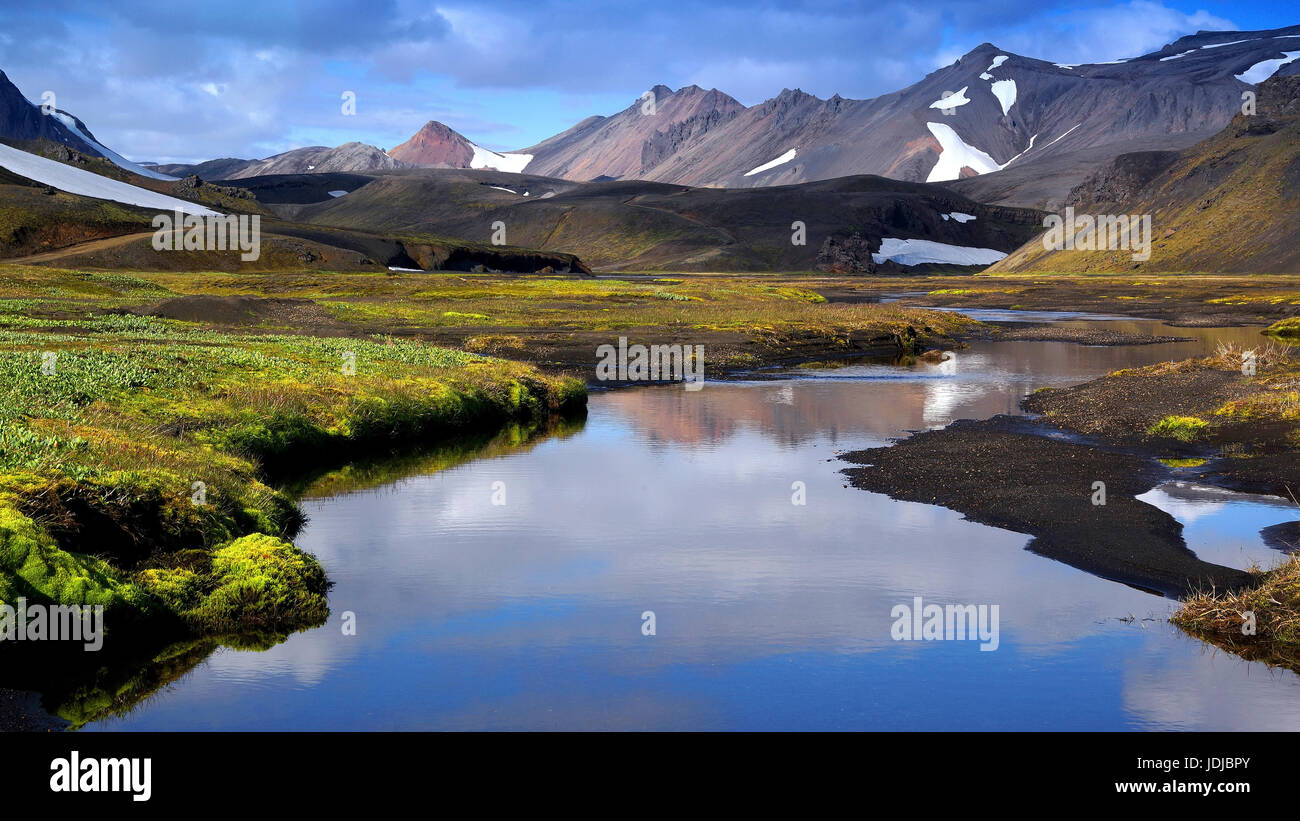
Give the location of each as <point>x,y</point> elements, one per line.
<point>1122,179</point>
<point>189,186</point>
<point>849,254</point>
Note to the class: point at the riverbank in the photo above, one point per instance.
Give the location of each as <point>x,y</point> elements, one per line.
<point>1212,421</point>
<point>1186,300</point>
<point>140,457</point>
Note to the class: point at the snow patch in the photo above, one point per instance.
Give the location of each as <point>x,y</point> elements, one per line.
<point>986,76</point>
<point>1067,66</point>
<point>336,193</point>
<point>512,163</point>
<point>1176,56</point>
<point>112,156</point>
<point>960,217</point>
<point>406,270</point>
<point>1022,153</point>
<point>781,160</point>
<point>952,100</point>
<point>1005,91</point>
<point>507,190</point>
<point>1233,43</point>
<point>956,154</point>
<point>1264,69</point>
<point>1053,142</point>
<point>921,251</point>
<point>997,61</point>
<point>87,184</point>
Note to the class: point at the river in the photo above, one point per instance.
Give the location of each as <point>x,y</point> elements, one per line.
<point>507,591</point>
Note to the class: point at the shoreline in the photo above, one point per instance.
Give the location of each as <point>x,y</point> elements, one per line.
<point>1200,420</point>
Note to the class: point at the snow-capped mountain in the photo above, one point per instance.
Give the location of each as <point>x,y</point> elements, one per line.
<point>997,126</point>
<point>21,120</point>
<point>1226,204</point>
<point>991,110</point>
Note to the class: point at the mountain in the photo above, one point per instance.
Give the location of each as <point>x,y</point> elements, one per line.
<point>210,170</point>
<point>641,136</point>
<point>435,145</point>
<point>22,121</point>
<point>849,225</point>
<point>997,126</point>
<point>1226,204</point>
<point>991,110</point>
<point>319,159</point>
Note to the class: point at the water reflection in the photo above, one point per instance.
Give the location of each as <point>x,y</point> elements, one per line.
<point>769,614</point>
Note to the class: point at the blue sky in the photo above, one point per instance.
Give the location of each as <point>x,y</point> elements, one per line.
<point>172,81</point>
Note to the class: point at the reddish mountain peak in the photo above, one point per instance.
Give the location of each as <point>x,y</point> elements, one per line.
<point>435,144</point>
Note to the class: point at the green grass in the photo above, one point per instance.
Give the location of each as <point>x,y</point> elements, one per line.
<point>1182,428</point>
<point>1285,329</point>
<point>117,418</point>
<point>1183,463</point>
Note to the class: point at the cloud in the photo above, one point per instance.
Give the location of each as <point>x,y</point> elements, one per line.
<point>167,81</point>
<point>1113,32</point>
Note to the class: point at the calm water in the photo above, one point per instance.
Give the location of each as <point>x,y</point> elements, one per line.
<point>768,614</point>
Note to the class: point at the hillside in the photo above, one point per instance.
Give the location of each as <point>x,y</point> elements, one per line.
<point>654,226</point>
<point>1225,205</point>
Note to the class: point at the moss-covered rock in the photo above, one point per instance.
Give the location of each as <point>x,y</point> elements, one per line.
<point>256,582</point>
<point>34,567</point>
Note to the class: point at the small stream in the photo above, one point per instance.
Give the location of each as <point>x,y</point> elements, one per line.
<point>768,614</point>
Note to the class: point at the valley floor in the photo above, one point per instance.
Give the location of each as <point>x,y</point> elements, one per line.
<point>148,421</point>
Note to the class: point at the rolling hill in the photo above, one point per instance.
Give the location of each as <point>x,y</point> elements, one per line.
<point>850,224</point>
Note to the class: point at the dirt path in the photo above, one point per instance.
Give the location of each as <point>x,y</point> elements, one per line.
<point>80,248</point>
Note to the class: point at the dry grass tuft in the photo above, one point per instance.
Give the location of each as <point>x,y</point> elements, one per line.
<point>1220,617</point>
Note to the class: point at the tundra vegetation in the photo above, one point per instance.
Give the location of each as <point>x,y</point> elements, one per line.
<point>140,456</point>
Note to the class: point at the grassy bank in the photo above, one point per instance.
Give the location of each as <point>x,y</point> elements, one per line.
<point>553,321</point>
<point>136,453</point>
<point>1260,623</point>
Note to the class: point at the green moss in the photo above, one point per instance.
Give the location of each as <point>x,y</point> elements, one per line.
<point>1183,463</point>
<point>258,582</point>
<point>1183,428</point>
<point>1287,330</point>
<point>149,440</point>
<point>33,567</point>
